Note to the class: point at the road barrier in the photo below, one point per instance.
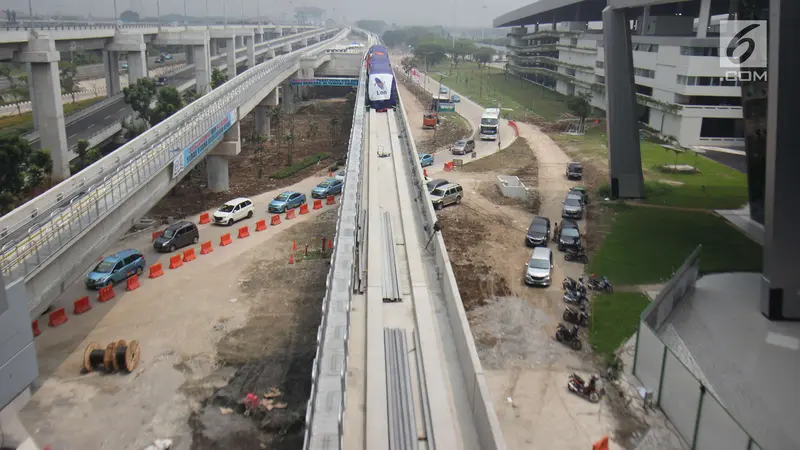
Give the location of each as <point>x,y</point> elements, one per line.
<point>205,218</point>
<point>156,270</point>
<point>276,220</point>
<point>35,328</point>
<point>317,204</point>
<point>81,305</point>
<point>157,234</point>
<point>330,200</point>
<point>189,255</point>
<point>175,261</point>
<point>225,240</point>
<point>57,317</point>
<point>106,293</point>
<point>243,233</point>
<point>133,283</point>
<point>513,125</point>
<point>261,225</point>
<point>304,208</point>
<point>206,248</point>
<point>290,214</point>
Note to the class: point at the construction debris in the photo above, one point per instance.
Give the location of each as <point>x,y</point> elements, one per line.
<point>272,393</point>
<point>160,444</point>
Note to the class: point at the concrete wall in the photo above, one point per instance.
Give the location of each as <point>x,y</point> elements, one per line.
<point>487,426</point>
<point>18,366</point>
<point>341,64</point>
<point>510,186</point>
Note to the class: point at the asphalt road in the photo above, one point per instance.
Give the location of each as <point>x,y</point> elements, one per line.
<point>91,124</point>
<point>734,161</point>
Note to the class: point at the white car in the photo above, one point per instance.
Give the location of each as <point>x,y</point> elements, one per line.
<point>340,175</point>
<point>233,211</point>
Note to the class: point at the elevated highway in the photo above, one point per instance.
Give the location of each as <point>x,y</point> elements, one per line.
<point>50,240</point>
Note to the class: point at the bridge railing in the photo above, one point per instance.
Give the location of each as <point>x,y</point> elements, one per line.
<point>135,163</point>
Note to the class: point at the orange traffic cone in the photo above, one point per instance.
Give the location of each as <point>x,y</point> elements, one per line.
<point>291,258</point>
<point>425,173</point>
<point>294,246</point>
<point>330,174</point>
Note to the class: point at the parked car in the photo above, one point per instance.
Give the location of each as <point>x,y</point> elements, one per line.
<point>425,159</point>
<point>443,90</point>
<point>539,267</point>
<point>179,234</point>
<point>161,81</point>
<point>455,98</point>
<point>446,195</point>
<point>538,232</point>
<point>582,191</point>
<point>340,175</point>
<point>233,211</point>
<point>167,56</point>
<point>286,200</point>
<point>115,268</point>
<point>124,66</point>
<point>463,147</point>
<point>569,235</point>
<point>574,171</point>
<point>572,207</point>
<point>160,59</point>
<point>575,196</point>
<point>331,186</point>
<point>433,184</point>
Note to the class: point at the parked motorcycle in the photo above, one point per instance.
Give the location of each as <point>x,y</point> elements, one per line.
<point>600,284</point>
<point>569,336</point>
<point>577,316</point>
<point>589,391</point>
<point>578,255</point>
<point>575,297</point>
<point>572,284</point>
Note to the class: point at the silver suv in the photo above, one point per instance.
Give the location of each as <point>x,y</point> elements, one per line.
<point>446,195</point>
<point>573,207</point>
<point>539,267</point>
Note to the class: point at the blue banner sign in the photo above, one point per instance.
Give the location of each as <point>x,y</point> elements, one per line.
<point>202,143</point>
<point>324,82</point>
<point>447,107</point>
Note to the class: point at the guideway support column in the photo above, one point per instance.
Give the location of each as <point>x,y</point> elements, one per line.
<point>217,162</point>
<point>624,156</point>
<point>111,67</point>
<point>262,118</point>
<point>287,97</point>
<point>199,42</point>
<point>43,58</point>
<point>780,287</point>
<point>249,42</point>
<point>230,53</point>
<point>134,46</point>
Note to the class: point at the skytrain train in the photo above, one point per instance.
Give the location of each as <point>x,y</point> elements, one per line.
<point>382,87</point>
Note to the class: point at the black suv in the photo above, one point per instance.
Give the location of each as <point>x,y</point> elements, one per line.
<point>538,232</point>
<point>574,171</point>
<point>177,235</point>
<point>569,235</point>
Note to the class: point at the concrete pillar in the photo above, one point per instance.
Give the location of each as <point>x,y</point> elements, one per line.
<point>249,42</point>
<point>304,42</point>
<point>32,94</point>
<point>43,58</point>
<point>287,98</point>
<point>293,30</point>
<point>287,48</point>
<point>270,54</point>
<point>261,120</point>
<point>645,18</point>
<point>230,53</point>
<point>202,67</point>
<point>278,31</point>
<point>111,64</point>
<point>137,66</point>
<point>214,47</point>
<point>189,54</point>
<point>217,173</point>
<point>259,37</point>
<point>239,42</point>
<point>624,157</point>
<point>703,18</point>
<point>780,287</point>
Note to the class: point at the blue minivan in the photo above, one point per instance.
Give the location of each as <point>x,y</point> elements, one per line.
<point>116,268</point>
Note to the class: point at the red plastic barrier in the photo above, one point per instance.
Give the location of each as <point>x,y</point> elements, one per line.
<point>276,220</point>
<point>206,248</point>
<point>175,261</point>
<point>156,270</point>
<point>425,173</point>
<point>330,200</point>
<point>290,214</point>
<point>225,240</point>
<point>304,208</point>
<point>106,293</point>
<point>513,125</point>
<point>35,328</point>
<point>57,317</point>
<point>81,305</point>
<point>205,218</point>
<point>133,283</point>
<point>188,255</point>
<point>243,233</point>
<point>261,225</point>
<point>317,204</point>
<point>157,234</point>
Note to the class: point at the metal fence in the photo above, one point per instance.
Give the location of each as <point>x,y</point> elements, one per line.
<point>696,413</point>
<point>150,153</point>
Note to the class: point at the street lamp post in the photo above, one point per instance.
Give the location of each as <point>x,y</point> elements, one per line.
<point>116,17</point>
<point>242,12</point>
<point>158,12</point>
<point>185,16</point>
<point>30,13</point>
<point>208,17</point>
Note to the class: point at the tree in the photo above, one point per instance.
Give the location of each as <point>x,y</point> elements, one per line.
<point>140,96</point>
<point>431,52</point>
<point>483,56</point>
<point>581,106</point>
<point>461,49</point>
<point>333,129</point>
<point>218,78</point>
<point>129,16</point>
<point>17,86</point>
<point>67,72</point>
<point>375,26</point>
<point>21,168</point>
<point>290,138</point>
<point>190,95</point>
<point>82,150</point>
<point>312,128</point>
<point>168,102</point>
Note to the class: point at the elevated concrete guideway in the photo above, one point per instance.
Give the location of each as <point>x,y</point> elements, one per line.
<point>136,176</point>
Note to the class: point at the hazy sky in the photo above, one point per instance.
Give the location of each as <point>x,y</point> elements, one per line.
<point>402,12</point>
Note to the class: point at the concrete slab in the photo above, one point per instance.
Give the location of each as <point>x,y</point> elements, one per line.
<point>740,218</point>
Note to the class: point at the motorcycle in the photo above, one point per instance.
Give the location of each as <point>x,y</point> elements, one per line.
<point>575,297</point>
<point>569,336</point>
<point>576,255</point>
<point>572,285</point>
<point>577,316</point>
<point>589,391</point>
<point>600,284</point>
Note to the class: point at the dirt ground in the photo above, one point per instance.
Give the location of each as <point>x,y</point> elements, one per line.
<point>191,195</point>
<point>451,127</point>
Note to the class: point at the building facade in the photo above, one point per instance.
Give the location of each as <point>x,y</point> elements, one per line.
<point>681,89</point>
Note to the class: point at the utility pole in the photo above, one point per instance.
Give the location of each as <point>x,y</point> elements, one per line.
<point>185,16</point>
<point>116,16</point>
<point>242,12</point>
<point>208,17</point>
<point>158,12</point>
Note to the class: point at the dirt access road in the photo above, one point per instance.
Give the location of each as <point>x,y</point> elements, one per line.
<point>513,325</point>
<point>240,319</point>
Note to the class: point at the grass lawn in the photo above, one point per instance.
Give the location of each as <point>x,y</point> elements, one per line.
<point>490,87</point>
<point>615,318</point>
<point>23,123</point>
<point>716,186</point>
<point>646,245</point>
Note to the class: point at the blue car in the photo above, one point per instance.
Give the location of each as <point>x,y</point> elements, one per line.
<point>425,159</point>
<point>286,200</point>
<point>455,98</point>
<point>443,90</point>
<point>331,186</point>
<point>116,268</point>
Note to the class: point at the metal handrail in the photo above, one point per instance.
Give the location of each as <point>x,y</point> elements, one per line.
<point>168,137</point>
